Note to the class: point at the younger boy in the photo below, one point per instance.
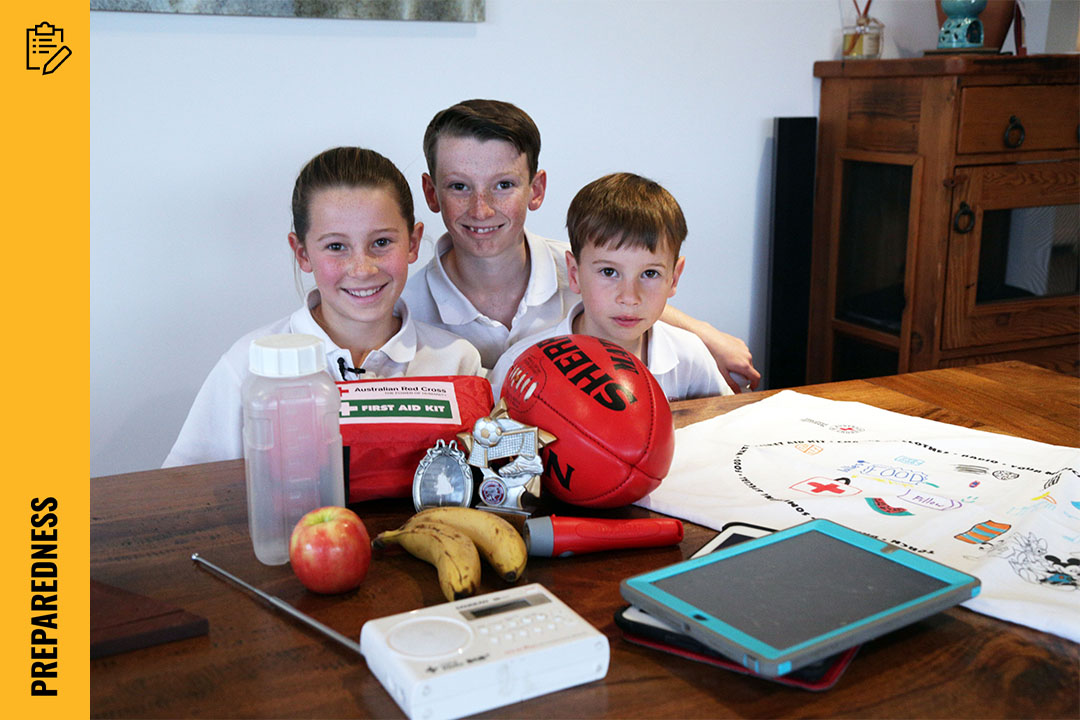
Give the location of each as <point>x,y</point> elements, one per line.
<point>625,235</point>
<point>491,281</point>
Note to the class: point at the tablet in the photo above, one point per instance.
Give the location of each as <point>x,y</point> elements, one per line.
<point>796,596</point>
<point>732,533</point>
<point>643,629</point>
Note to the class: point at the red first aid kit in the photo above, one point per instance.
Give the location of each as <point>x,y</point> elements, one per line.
<point>387,427</point>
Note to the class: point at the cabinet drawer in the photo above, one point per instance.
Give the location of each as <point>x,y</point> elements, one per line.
<point>1043,117</point>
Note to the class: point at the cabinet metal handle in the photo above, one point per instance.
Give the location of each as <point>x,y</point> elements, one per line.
<point>964,221</point>
<point>1015,129</point>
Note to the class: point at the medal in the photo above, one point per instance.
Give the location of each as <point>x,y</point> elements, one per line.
<point>442,478</point>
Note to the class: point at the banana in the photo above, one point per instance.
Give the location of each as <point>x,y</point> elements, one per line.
<point>496,539</point>
<point>451,552</point>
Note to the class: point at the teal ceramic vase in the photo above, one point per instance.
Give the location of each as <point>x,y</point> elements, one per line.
<point>962,27</point>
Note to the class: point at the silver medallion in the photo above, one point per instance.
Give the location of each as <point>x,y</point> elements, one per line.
<point>443,477</point>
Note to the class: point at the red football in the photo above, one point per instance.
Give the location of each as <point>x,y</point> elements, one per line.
<point>612,423</point>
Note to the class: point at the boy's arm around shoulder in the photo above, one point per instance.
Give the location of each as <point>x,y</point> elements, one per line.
<point>697,374</point>
<point>730,353</point>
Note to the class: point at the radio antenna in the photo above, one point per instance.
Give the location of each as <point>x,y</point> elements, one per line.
<point>281,605</point>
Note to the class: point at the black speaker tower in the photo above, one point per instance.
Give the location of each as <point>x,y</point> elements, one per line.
<point>789,256</point>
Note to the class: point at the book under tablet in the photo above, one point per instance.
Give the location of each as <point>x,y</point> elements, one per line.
<point>795,596</point>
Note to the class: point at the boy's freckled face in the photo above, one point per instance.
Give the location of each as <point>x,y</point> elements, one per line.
<point>358,247</point>
<point>483,191</point>
<point>624,291</point>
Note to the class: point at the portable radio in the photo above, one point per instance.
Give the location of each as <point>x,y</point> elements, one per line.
<point>471,655</point>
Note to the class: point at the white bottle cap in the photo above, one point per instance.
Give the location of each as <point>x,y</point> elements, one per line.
<point>291,355</point>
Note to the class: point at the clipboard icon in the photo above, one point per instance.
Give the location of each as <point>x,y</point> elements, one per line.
<point>45,49</point>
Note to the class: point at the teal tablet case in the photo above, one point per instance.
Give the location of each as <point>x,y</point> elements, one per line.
<point>793,597</point>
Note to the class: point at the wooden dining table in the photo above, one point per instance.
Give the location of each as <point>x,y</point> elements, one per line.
<point>256,661</point>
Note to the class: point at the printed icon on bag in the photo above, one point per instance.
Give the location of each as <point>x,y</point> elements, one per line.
<point>827,487</point>
<point>45,48</point>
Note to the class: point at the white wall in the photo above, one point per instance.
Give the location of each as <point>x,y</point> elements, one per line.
<point>199,125</point>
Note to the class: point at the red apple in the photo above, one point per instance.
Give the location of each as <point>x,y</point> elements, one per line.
<point>330,550</point>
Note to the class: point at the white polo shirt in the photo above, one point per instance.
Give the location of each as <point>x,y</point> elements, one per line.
<point>213,429</point>
<point>678,359</point>
<point>434,299</point>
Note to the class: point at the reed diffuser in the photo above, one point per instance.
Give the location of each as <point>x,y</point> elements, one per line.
<point>862,40</point>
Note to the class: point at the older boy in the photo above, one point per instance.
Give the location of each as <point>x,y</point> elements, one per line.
<point>625,235</point>
<point>491,281</point>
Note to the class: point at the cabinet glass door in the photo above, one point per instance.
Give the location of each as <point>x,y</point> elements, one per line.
<point>1014,255</point>
<point>872,257</point>
<point>871,260</point>
<point>1029,253</point>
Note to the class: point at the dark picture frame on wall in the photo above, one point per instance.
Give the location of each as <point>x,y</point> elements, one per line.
<point>429,10</point>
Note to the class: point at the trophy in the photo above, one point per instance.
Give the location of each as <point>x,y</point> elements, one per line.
<point>507,452</point>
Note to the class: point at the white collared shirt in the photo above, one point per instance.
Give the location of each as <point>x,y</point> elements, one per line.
<point>678,359</point>
<point>434,299</point>
<point>213,429</point>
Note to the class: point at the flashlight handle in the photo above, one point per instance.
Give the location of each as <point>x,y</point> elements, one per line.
<point>555,536</point>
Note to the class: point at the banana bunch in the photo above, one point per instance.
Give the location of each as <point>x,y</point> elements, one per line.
<point>453,539</point>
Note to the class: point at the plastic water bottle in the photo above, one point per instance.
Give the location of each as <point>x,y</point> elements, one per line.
<point>292,439</point>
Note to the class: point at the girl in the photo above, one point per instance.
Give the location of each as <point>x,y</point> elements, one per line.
<point>354,231</point>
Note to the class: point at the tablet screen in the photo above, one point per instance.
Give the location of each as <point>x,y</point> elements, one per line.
<point>786,593</point>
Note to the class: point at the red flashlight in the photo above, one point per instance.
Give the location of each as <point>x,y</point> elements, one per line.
<point>554,536</point>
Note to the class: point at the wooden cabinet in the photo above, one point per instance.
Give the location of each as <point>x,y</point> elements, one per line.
<point>947,215</point>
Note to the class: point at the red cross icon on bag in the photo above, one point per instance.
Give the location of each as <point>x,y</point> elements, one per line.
<point>826,487</point>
